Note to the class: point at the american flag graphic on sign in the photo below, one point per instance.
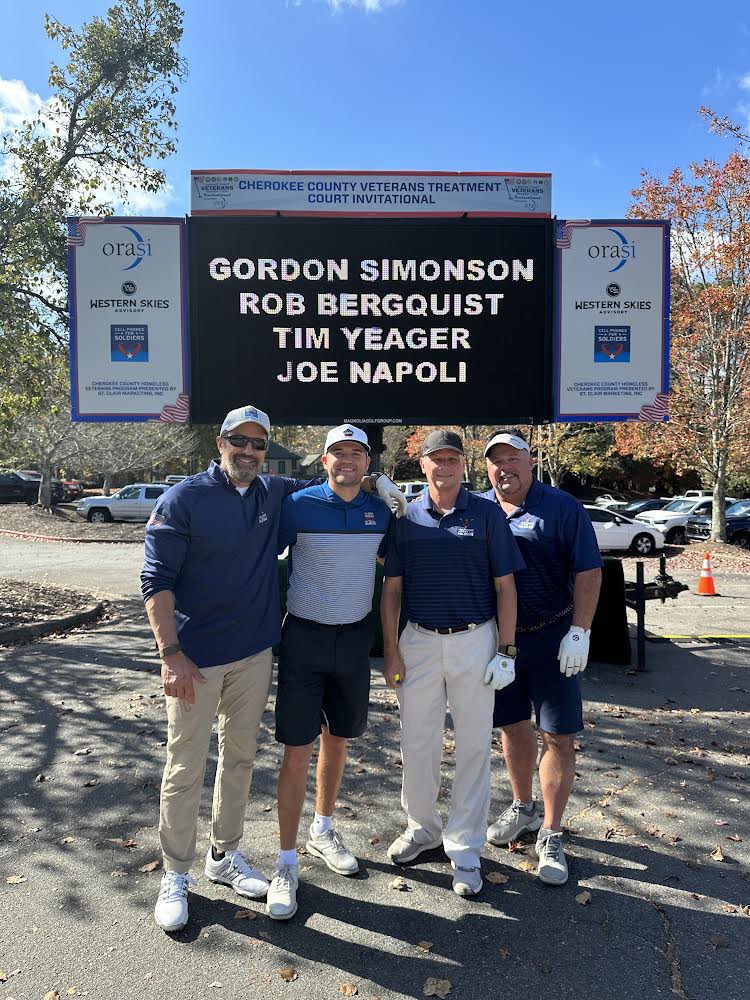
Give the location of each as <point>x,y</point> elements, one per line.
<point>564,231</point>
<point>77,230</point>
<point>658,410</point>
<point>176,413</point>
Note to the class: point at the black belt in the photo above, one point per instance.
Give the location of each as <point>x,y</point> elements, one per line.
<point>448,631</point>
<point>522,629</point>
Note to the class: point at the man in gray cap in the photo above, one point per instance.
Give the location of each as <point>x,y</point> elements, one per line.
<point>210,583</point>
<point>451,561</point>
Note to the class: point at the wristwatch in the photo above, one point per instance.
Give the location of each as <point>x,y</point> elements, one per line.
<point>511,651</point>
<point>173,647</point>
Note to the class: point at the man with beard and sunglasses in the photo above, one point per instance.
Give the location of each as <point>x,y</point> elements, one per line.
<point>210,584</point>
<point>557,597</point>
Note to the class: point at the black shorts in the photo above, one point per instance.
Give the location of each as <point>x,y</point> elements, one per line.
<point>324,679</point>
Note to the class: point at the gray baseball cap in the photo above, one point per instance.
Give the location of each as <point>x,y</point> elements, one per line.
<point>436,440</point>
<point>244,415</point>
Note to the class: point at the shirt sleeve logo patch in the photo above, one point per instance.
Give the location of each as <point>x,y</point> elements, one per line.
<point>156,520</point>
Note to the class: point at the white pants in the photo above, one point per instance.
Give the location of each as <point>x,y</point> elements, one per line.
<point>440,669</point>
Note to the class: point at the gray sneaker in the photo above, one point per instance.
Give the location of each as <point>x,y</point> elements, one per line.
<point>553,868</point>
<point>514,822</point>
<point>331,848</point>
<point>281,899</point>
<point>405,848</point>
<point>466,881</point>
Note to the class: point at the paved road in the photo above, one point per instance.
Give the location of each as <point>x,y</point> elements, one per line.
<point>104,570</point>
<point>662,782</point>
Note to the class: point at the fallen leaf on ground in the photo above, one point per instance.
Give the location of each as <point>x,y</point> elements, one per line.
<point>67,840</point>
<point>215,986</point>
<point>15,879</point>
<point>436,987</point>
<point>72,991</point>
<point>516,846</point>
<point>718,941</point>
<point>91,782</point>
<point>52,995</point>
<point>584,898</point>
<point>728,908</point>
<point>83,752</point>
<point>745,910</point>
<point>118,873</point>
<point>374,840</point>
<point>119,842</point>
<point>734,837</point>
<point>527,866</point>
<point>717,854</point>
<point>348,989</point>
<point>3,976</point>
<point>288,973</point>
<point>721,822</point>
<point>545,966</point>
<point>245,915</point>
<point>267,809</point>
<point>424,945</point>
<point>150,867</point>
<point>41,777</point>
<point>504,953</point>
<point>401,884</point>
<point>497,878</point>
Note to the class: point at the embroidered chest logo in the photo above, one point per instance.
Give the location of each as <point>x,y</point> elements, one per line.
<point>464,529</point>
<point>262,518</point>
<point>369,519</point>
<point>526,523</point>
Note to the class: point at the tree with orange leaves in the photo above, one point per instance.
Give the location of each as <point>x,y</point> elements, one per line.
<point>709,426</point>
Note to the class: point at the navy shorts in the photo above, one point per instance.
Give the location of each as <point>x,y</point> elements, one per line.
<point>324,679</point>
<point>556,699</point>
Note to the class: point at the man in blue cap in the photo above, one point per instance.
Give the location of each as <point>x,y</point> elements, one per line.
<point>557,597</point>
<point>210,584</point>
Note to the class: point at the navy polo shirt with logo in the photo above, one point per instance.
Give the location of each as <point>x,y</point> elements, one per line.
<point>557,540</point>
<point>217,550</point>
<point>448,562</point>
<point>333,548</point>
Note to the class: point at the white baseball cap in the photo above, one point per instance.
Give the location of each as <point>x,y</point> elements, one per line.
<point>243,415</point>
<point>505,438</point>
<point>346,432</point>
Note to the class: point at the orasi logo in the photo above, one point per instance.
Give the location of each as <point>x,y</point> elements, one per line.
<point>133,251</point>
<point>617,252</point>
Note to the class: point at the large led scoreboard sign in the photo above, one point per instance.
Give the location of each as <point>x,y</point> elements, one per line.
<point>376,321</point>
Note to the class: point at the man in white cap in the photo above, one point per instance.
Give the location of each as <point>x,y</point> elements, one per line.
<point>335,532</point>
<point>210,583</point>
<point>557,597</point>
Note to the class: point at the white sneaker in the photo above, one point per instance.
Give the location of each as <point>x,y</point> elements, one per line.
<point>331,848</point>
<point>466,881</point>
<point>235,870</point>
<point>405,848</point>
<point>553,868</point>
<point>281,901</point>
<point>171,910</point>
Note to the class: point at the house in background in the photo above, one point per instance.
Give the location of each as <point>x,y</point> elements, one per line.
<point>311,466</point>
<point>280,461</point>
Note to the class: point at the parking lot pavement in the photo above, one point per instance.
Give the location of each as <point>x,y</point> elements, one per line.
<point>102,570</point>
<point>662,784</point>
<point>691,614</point>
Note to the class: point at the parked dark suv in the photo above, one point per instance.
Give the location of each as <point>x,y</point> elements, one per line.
<point>15,488</point>
<point>738,525</point>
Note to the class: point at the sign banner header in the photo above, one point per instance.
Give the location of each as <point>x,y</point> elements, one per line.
<point>365,193</point>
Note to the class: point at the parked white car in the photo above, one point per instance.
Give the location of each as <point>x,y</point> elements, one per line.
<point>131,503</point>
<point>673,518</point>
<point>615,532</point>
<point>608,502</point>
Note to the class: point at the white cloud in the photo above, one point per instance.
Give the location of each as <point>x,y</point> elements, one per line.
<point>745,82</point>
<point>372,6</point>
<point>19,104</point>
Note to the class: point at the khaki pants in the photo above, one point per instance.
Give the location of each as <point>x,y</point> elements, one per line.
<point>238,692</point>
<point>440,669</point>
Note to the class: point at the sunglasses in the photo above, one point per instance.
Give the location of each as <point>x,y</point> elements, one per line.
<point>242,441</point>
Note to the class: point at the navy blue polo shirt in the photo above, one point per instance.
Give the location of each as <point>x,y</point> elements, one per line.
<point>448,562</point>
<point>217,551</point>
<point>557,540</point>
<point>334,545</point>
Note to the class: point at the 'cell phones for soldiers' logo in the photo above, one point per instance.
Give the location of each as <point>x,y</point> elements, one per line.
<point>129,341</point>
<point>611,343</point>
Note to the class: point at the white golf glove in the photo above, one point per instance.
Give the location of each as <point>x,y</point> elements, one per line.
<point>388,491</point>
<point>574,651</point>
<point>500,672</point>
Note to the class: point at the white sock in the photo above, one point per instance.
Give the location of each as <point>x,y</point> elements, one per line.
<point>321,824</point>
<point>288,857</point>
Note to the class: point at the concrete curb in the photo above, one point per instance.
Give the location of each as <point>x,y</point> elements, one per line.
<point>26,633</point>
<point>75,541</point>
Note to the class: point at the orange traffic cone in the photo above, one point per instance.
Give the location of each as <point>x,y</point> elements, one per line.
<point>706,582</point>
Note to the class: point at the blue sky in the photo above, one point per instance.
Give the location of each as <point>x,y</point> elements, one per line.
<point>591,92</point>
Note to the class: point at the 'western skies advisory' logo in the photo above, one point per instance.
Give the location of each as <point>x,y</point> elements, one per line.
<point>129,342</point>
<point>618,251</point>
<point>132,251</point>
